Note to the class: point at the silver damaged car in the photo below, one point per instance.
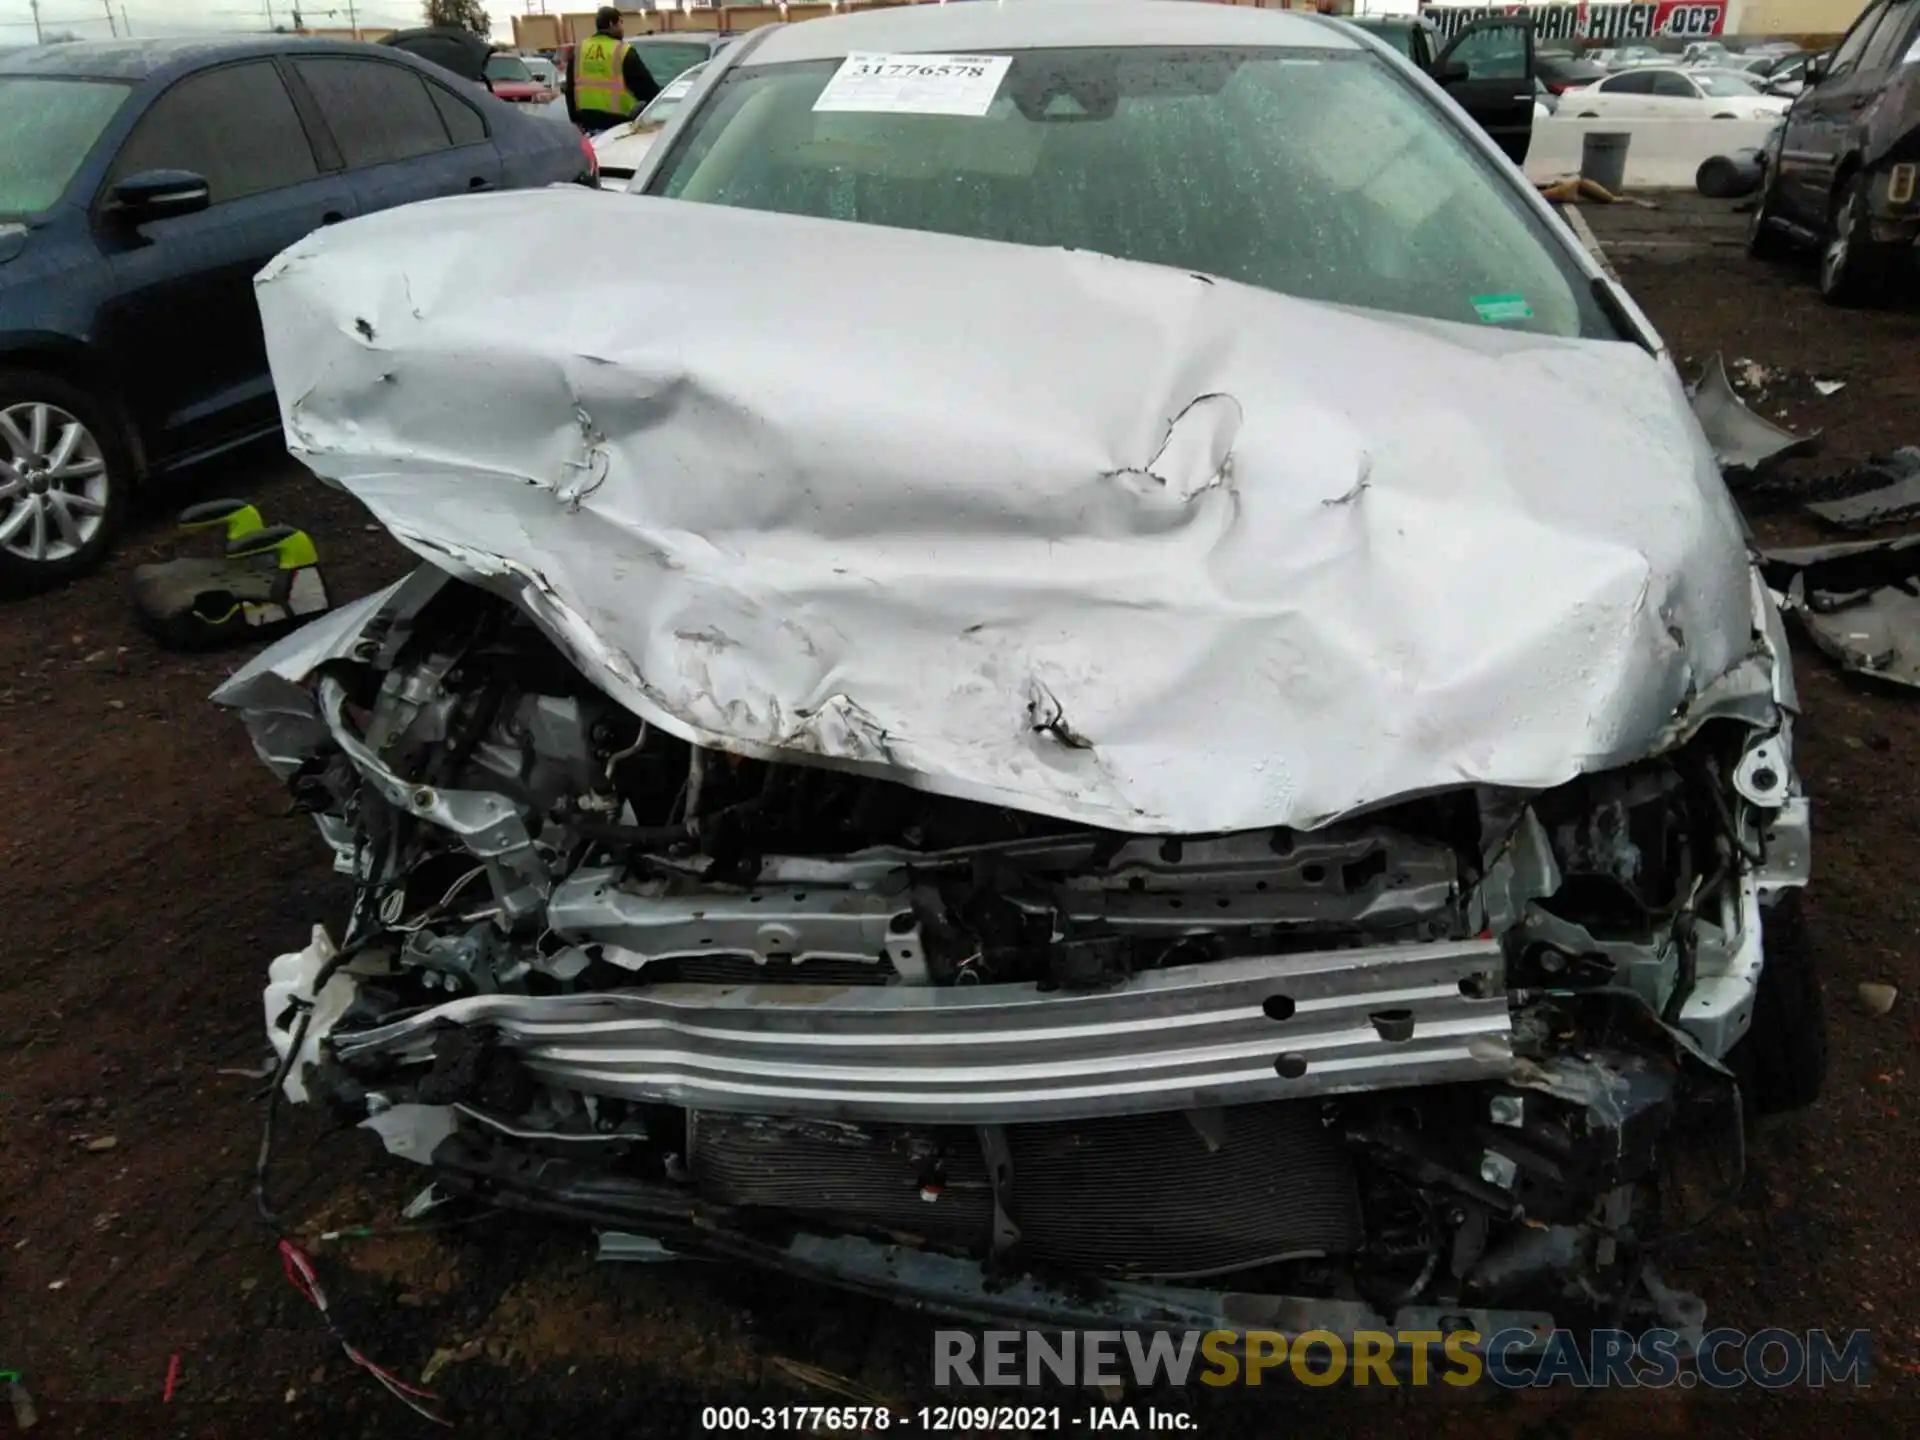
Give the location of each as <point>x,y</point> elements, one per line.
<point>1127,693</point>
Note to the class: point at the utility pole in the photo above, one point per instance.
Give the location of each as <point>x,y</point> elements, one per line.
<point>36,24</point>
<point>126,25</point>
<point>353,21</point>
<point>112,29</point>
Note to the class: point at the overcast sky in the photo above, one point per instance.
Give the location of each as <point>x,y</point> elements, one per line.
<point>88,18</point>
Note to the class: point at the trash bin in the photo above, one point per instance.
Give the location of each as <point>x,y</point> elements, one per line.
<point>1728,177</point>
<point>1603,160</point>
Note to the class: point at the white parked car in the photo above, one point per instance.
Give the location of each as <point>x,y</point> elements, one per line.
<point>1626,57</point>
<point>1668,92</point>
<point>1706,52</point>
<point>543,70</point>
<point>621,149</point>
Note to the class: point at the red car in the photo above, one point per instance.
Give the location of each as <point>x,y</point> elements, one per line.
<point>473,59</point>
<point>510,79</point>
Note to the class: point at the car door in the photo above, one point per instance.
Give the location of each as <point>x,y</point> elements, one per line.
<point>183,326</point>
<point>1886,51</point>
<point>1420,48</point>
<point>403,135</point>
<point>1621,97</point>
<point>1817,125</point>
<point>1488,68</point>
<point>1674,97</point>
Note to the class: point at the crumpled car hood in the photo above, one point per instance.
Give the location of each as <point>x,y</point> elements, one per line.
<point>1091,538</point>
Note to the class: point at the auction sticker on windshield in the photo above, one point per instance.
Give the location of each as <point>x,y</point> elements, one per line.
<point>915,84</point>
<point>1499,309</point>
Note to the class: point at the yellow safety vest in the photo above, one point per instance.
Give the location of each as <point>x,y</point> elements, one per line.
<point>597,85</point>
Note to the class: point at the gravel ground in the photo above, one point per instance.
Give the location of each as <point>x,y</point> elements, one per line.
<point>148,870</point>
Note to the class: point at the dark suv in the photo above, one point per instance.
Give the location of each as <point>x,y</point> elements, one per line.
<point>142,186</point>
<point>1840,171</point>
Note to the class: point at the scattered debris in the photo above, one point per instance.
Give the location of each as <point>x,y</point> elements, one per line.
<point>1875,998</point>
<point>1858,601</point>
<point>442,1358</point>
<point>826,1380</point>
<point>1744,443</point>
<point>643,1249</point>
<point>100,1143</point>
<point>259,1072</point>
<point>56,1284</point>
<point>302,1276</point>
<point>1829,387</point>
<point>1896,498</point>
<point>25,1417</point>
<point>173,1378</point>
<point>430,1198</point>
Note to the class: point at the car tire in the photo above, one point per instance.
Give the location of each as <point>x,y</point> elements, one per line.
<point>1781,1061</point>
<point>65,476</point>
<point>1852,270</point>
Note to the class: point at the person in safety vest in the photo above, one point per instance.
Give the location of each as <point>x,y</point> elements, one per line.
<point>607,83</point>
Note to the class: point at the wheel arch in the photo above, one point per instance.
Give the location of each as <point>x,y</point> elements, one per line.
<point>77,364</point>
<point>1849,166</point>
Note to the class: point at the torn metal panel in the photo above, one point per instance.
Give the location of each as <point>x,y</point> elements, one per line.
<point>1877,637</point>
<point>1744,443</point>
<point>1055,534</point>
<point>1898,499</point>
<point>1859,602</point>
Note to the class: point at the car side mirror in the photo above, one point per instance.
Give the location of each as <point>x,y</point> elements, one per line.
<point>1454,72</point>
<point>159,195</point>
<point>1816,68</point>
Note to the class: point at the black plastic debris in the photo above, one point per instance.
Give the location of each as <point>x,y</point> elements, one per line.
<point>1744,443</point>
<point>1895,498</point>
<point>1859,602</point>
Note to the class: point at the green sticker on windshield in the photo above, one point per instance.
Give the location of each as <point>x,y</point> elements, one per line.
<point>1499,309</point>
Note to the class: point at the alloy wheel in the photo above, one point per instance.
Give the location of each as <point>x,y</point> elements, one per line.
<point>53,482</point>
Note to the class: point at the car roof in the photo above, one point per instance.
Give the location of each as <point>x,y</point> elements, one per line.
<point>138,60</point>
<point>1046,24</point>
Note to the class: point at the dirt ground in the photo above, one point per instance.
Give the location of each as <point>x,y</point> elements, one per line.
<point>148,870</point>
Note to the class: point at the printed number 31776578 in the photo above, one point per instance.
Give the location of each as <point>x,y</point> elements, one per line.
<point>908,70</point>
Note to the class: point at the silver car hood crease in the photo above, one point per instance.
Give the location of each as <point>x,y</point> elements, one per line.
<point>1095,539</point>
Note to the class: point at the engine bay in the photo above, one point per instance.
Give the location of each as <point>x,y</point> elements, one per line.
<point>1477,1050</point>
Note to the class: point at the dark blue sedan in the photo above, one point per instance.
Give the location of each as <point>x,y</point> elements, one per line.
<point>142,185</point>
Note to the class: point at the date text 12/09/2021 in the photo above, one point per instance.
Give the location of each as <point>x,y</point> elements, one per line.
<point>943,1419</point>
